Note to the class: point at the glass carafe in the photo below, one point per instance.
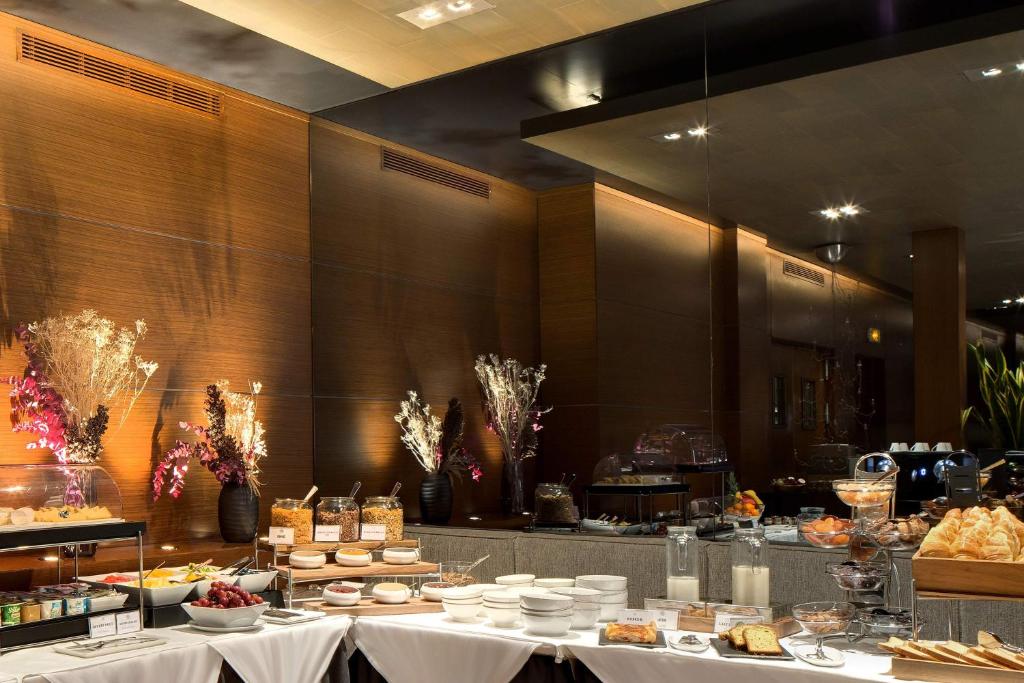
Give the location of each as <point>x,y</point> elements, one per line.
<point>681,555</point>
<point>750,573</point>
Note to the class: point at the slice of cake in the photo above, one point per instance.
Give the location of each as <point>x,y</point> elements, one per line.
<point>761,640</point>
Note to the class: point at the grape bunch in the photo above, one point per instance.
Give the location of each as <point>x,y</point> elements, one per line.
<point>223,596</point>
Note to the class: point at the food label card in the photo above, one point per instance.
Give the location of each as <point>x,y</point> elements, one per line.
<point>103,625</point>
<point>128,622</point>
<point>373,532</point>
<point>327,533</point>
<point>663,618</point>
<point>726,621</point>
<point>282,535</point>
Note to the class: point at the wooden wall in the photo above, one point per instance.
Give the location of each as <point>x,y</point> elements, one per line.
<point>140,208</point>
<point>411,281</point>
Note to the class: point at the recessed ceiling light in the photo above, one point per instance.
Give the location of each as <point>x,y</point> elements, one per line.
<point>991,72</point>
<point>1020,66</point>
<point>474,518</point>
<point>698,131</point>
<point>831,214</point>
<point>429,14</point>
<point>672,136</point>
<point>1019,300</point>
<point>460,5</point>
<point>849,209</point>
<point>1007,301</point>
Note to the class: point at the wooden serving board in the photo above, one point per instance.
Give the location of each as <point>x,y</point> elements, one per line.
<point>368,607</point>
<point>786,626</point>
<point>336,571</point>
<point>968,577</point>
<point>324,547</point>
<point>943,672</point>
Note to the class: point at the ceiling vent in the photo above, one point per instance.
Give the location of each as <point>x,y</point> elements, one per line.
<point>403,163</point>
<point>41,51</point>
<point>800,272</point>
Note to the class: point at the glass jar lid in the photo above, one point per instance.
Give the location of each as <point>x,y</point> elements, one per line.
<point>291,503</point>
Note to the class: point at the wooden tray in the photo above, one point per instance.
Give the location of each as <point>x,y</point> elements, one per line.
<point>786,626</point>
<point>968,577</point>
<point>943,672</point>
<point>336,571</point>
<point>369,607</point>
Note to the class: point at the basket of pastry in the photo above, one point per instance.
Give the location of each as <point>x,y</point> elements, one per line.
<point>953,662</point>
<point>641,635</point>
<point>752,641</point>
<point>974,551</point>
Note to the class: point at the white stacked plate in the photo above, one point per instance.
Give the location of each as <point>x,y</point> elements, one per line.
<point>554,583</point>
<point>586,605</point>
<point>613,593</point>
<point>502,608</point>
<point>547,615</point>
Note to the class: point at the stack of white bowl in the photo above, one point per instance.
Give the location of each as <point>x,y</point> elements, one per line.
<point>547,614</point>
<point>463,603</point>
<point>516,580</point>
<point>502,608</point>
<point>586,609</point>
<point>554,583</point>
<point>613,593</point>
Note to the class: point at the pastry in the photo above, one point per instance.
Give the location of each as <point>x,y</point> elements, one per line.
<point>976,534</point>
<point>632,633</point>
<point>762,640</point>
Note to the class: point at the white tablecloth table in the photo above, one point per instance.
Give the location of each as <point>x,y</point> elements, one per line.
<point>431,648</point>
<point>191,656</point>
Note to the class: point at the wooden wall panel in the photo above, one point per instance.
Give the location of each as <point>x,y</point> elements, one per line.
<point>412,281</point>
<point>142,209</point>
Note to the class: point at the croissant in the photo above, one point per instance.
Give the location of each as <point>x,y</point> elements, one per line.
<point>939,541</point>
<point>969,543</point>
<point>997,547</point>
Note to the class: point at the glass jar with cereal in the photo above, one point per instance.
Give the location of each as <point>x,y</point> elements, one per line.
<point>386,510</point>
<point>339,511</point>
<point>295,514</point>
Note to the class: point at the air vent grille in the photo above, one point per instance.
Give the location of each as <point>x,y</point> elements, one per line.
<point>800,272</point>
<point>403,163</point>
<point>43,51</point>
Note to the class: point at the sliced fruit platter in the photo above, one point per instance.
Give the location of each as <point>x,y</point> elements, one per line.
<point>170,585</point>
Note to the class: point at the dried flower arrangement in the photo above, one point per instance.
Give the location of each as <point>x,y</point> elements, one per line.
<point>79,368</point>
<point>231,446</point>
<point>437,445</point>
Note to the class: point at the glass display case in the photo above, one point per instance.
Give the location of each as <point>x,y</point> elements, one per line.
<point>42,496</point>
<point>638,469</point>
<point>681,445</point>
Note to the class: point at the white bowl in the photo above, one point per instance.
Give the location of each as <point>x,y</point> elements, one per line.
<point>111,600</point>
<point>608,597</point>
<point>610,611</point>
<point>459,593</point>
<point>502,617</point>
<point>352,560</point>
<point>585,618</point>
<point>257,582</point>
<point>307,559</point>
<point>342,599</point>
<point>583,595</point>
<point>401,555</point>
<point>434,593</point>
<point>460,611</point>
<point>602,582</point>
<point>554,583</point>
<point>546,603</point>
<point>502,597</point>
<point>515,580</point>
<point>548,626</point>
<point>383,593</point>
<point>223,618</point>
<point>527,590</point>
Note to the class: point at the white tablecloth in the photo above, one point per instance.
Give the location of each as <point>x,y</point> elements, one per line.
<point>299,653</point>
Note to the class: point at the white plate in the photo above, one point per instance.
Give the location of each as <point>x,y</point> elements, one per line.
<point>805,653</point>
<point>226,629</point>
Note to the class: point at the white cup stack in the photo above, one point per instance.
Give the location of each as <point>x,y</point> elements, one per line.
<point>547,614</point>
<point>502,608</point>
<point>586,608</point>
<point>613,593</point>
<point>462,603</point>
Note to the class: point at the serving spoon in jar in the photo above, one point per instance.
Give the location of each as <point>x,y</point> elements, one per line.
<point>355,489</point>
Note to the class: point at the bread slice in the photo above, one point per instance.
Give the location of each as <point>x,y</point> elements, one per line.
<point>762,640</point>
<point>932,650</point>
<point>735,636</point>
<point>891,644</point>
<point>977,656</point>
<point>1002,657</point>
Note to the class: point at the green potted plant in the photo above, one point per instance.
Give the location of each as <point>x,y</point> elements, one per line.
<point>1001,413</point>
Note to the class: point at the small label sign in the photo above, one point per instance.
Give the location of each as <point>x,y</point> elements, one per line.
<point>102,625</point>
<point>327,533</point>
<point>128,622</point>
<point>663,618</point>
<point>281,535</point>
<point>726,621</point>
<point>373,532</point>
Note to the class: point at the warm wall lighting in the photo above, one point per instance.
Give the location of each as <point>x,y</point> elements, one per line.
<point>168,547</point>
<point>874,335</point>
<point>474,518</point>
<point>49,558</point>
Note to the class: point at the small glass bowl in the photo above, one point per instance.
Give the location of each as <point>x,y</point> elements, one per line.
<point>817,532</point>
<point>887,621</point>
<point>864,493</point>
<point>821,618</point>
<point>858,576</point>
<point>455,573</point>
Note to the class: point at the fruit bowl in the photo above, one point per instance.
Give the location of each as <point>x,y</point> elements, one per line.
<point>745,507</point>
<point>225,617</point>
<point>827,532</point>
<point>864,493</point>
<point>819,618</point>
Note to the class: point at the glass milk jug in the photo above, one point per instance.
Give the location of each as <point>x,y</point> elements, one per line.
<point>750,573</point>
<point>681,553</point>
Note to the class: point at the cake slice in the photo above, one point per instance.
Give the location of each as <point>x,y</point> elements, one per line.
<point>762,640</point>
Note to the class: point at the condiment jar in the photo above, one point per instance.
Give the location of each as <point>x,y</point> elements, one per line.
<point>386,510</point>
<point>294,514</point>
<point>553,504</point>
<point>340,511</point>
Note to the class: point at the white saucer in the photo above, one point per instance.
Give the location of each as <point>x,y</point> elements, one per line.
<point>226,629</point>
<point>683,646</point>
<point>805,653</point>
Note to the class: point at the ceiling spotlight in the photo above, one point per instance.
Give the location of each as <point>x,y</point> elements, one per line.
<point>460,5</point>
<point>849,210</point>
<point>1019,300</point>
<point>831,214</point>
<point>910,256</point>
<point>992,72</point>
<point>430,13</point>
<point>1007,301</point>
<point>672,136</point>
<point>698,132</point>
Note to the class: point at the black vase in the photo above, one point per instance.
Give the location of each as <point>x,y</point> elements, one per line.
<point>436,499</point>
<point>238,513</point>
